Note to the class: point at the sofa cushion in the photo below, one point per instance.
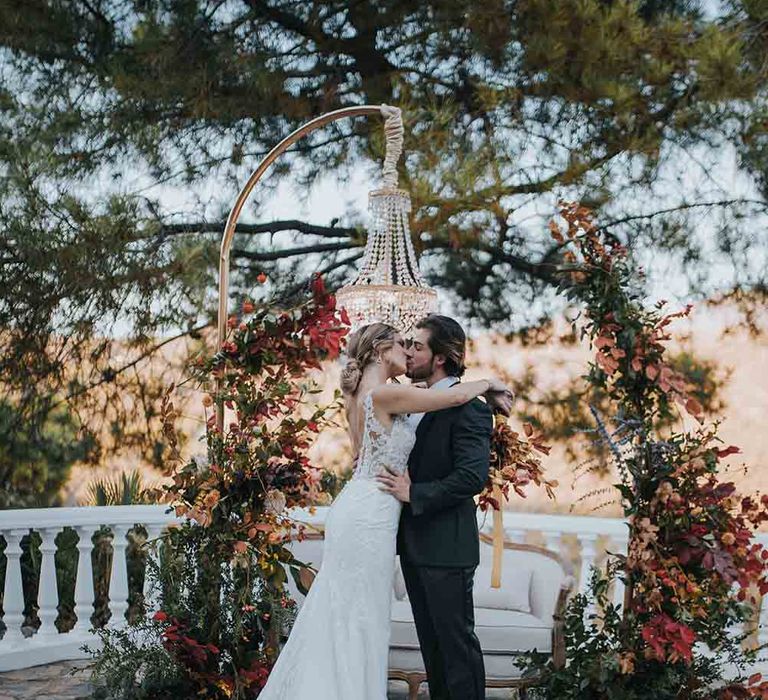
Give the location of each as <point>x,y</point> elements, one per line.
<point>514,594</point>
<point>499,631</point>
<point>402,627</point>
<point>503,631</point>
<point>549,575</point>
<point>399,582</point>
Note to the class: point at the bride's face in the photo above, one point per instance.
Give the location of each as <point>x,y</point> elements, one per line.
<point>395,357</point>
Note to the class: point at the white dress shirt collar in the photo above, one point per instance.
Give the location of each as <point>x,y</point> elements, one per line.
<point>445,383</point>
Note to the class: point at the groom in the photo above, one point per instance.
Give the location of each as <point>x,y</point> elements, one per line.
<point>437,539</point>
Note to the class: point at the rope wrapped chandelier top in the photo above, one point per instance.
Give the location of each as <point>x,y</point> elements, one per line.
<point>389,286</point>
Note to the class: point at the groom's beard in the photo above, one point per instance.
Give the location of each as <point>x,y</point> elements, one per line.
<point>420,374</point>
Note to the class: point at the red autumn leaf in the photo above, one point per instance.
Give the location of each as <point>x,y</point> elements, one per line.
<point>730,450</point>
<point>694,407</point>
<point>604,341</point>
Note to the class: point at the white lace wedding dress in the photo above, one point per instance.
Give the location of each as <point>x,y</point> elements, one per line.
<point>339,645</point>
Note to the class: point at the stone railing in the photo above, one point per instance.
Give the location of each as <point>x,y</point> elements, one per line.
<point>584,541</point>
<point>22,645</point>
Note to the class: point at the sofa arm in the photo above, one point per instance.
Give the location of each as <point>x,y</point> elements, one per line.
<point>558,629</point>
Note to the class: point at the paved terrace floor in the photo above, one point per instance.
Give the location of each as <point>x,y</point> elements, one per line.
<point>69,681</point>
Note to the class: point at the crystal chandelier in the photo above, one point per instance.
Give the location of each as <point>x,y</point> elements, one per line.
<point>389,287</point>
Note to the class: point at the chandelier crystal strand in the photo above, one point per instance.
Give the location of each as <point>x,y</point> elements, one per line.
<point>389,286</point>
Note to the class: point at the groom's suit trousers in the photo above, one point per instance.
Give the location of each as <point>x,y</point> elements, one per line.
<point>443,610</point>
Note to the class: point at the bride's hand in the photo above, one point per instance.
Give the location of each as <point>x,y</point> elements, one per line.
<point>496,385</point>
<point>499,397</point>
<point>500,402</point>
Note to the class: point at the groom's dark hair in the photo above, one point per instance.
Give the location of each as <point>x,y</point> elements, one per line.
<point>446,338</point>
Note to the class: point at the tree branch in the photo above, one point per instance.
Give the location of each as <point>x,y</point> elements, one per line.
<point>543,271</point>
<point>293,252</point>
<point>326,270</point>
<point>109,375</point>
<point>217,227</point>
<point>681,207</point>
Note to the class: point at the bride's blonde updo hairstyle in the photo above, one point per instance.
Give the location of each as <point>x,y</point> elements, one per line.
<point>363,347</point>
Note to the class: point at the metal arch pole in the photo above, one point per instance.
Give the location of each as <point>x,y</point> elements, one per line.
<point>234,215</point>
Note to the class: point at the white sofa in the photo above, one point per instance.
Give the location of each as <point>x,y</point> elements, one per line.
<point>525,614</point>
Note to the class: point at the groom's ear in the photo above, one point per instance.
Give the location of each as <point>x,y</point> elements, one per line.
<point>438,361</point>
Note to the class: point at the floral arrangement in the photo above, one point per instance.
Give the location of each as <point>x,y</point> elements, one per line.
<point>258,466</point>
<point>693,570</point>
<point>221,579</point>
<point>628,339</point>
<point>692,561</point>
<point>515,464</point>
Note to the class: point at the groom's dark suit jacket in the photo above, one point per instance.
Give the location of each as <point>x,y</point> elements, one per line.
<point>448,466</point>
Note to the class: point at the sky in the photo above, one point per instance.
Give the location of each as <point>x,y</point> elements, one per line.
<point>331,198</point>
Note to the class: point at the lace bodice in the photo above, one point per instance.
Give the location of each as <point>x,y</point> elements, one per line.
<point>381,446</point>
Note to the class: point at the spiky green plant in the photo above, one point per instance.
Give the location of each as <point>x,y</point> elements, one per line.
<point>125,489</point>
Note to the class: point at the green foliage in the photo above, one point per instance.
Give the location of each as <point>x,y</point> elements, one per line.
<point>221,583</point>
<point>121,490</point>
<point>116,117</point>
<point>332,482</point>
<point>597,666</point>
<point>692,572</point>
<point>138,662</point>
<point>35,460</point>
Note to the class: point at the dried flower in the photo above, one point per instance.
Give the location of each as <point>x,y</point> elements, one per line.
<point>274,502</point>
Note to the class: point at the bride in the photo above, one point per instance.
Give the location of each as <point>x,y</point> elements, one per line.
<point>338,647</point>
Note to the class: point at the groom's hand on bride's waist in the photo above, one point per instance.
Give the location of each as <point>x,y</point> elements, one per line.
<point>399,485</point>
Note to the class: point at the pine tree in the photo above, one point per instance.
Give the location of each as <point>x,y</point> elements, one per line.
<point>105,105</point>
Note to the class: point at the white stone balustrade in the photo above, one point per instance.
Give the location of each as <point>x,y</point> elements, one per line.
<point>47,644</point>
<point>581,540</point>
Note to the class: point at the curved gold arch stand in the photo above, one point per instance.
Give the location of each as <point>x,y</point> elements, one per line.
<point>234,214</point>
<point>226,245</point>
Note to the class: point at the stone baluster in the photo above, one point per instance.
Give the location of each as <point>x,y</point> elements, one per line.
<point>588,552</point>
<point>118,580</point>
<point>762,622</point>
<point>152,592</point>
<point>13,599</point>
<point>620,547</point>
<point>84,593</point>
<point>735,631</point>
<point>48,591</point>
